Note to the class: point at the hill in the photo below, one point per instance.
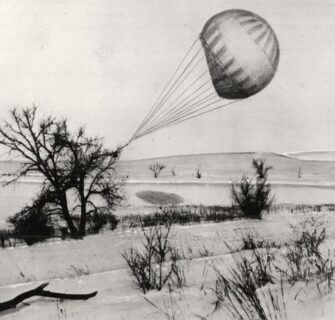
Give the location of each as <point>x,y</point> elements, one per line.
<point>295,168</point>
<point>231,166</point>
<point>314,155</point>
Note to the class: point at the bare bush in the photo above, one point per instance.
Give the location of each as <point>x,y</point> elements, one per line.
<point>156,262</point>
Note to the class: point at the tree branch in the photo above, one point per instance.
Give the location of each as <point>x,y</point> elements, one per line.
<point>39,291</point>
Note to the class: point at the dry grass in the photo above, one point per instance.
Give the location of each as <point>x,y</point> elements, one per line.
<point>247,293</point>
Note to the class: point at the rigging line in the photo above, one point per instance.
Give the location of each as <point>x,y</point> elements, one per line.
<point>197,106</point>
<point>169,92</point>
<point>168,110</point>
<point>169,82</point>
<point>180,113</point>
<point>191,117</point>
<point>194,105</point>
<point>175,119</point>
<point>163,104</point>
<point>172,118</point>
<point>175,82</point>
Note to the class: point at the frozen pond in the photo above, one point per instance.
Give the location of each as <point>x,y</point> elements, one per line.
<point>212,194</point>
<point>15,196</point>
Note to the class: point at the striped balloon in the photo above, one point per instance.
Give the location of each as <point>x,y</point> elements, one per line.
<point>242,53</point>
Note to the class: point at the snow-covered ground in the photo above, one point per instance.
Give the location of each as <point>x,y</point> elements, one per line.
<point>95,263</point>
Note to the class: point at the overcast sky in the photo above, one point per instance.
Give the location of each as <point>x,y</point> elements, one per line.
<point>103,64</point>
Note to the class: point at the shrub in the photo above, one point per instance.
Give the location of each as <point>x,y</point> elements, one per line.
<point>32,224</point>
<point>155,264</point>
<point>254,198</point>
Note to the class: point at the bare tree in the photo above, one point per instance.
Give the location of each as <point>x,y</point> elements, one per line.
<point>69,163</point>
<point>156,168</point>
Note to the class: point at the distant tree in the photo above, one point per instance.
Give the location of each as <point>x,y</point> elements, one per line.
<point>299,172</point>
<point>71,163</point>
<point>253,198</point>
<point>156,168</point>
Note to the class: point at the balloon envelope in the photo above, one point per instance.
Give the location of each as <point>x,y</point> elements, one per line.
<point>242,53</point>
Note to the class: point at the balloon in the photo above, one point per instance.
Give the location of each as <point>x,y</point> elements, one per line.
<point>242,53</point>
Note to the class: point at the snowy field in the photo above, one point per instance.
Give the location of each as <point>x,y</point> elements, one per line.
<point>95,263</point>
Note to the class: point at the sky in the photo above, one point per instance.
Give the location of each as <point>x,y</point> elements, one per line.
<point>102,63</point>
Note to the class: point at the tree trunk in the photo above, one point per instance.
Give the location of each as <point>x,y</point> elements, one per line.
<point>70,224</point>
<point>67,217</point>
<point>82,226</point>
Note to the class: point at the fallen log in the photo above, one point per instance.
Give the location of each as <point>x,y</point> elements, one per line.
<point>39,291</point>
